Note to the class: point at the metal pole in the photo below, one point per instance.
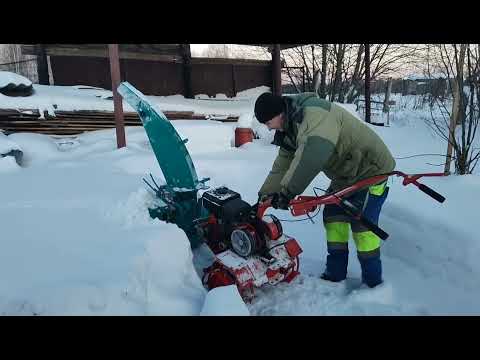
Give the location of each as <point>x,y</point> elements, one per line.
<point>117,100</point>
<point>367,84</point>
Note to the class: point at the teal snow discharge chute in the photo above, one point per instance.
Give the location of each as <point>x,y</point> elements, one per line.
<point>179,203</point>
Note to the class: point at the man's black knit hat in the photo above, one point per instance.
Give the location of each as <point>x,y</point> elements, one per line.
<point>268,106</point>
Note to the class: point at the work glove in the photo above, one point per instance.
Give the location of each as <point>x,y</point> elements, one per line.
<point>254,208</point>
<point>280,201</point>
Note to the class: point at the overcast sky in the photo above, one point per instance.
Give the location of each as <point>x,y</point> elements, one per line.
<point>197,48</point>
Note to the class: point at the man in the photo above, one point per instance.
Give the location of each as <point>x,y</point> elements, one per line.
<point>316,135</point>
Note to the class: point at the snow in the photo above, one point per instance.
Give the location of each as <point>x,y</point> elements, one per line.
<point>425,76</point>
<point>84,98</point>
<point>246,120</point>
<point>6,144</point>
<point>36,147</point>
<point>252,93</point>
<point>224,301</point>
<point>8,164</point>
<point>10,79</point>
<point>76,237</point>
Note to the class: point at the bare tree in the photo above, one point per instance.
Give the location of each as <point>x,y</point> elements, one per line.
<point>339,53</point>
<point>343,69</point>
<point>457,123</point>
<point>323,81</point>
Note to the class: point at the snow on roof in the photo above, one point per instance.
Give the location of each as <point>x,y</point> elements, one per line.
<point>81,98</point>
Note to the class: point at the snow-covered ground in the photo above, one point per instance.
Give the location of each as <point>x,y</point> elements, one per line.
<point>76,237</point>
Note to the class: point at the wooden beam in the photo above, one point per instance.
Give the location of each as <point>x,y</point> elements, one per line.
<point>167,55</point>
<point>117,100</point>
<point>276,71</point>
<point>42,65</point>
<point>100,50</point>
<point>187,71</point>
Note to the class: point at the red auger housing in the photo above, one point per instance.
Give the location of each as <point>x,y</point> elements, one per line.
<point>250,248</point>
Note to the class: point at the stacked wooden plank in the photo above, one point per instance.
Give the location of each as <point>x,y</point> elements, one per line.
<point>75,122</point>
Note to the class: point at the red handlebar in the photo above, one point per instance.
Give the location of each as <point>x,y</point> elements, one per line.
<point>303,205</point>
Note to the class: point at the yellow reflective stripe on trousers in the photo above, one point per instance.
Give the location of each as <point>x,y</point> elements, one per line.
<point>337,231</point>
<point>377,189</point>
<point>366,241</point>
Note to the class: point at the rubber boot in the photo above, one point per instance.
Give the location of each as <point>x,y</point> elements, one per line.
<point>371,270</point>
<point>337,262</point>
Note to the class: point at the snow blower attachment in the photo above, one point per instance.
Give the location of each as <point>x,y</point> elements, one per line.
<point>250,247</point>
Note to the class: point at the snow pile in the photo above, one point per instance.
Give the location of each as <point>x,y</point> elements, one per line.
<point>36,147</point>
<point>6,144</point>
<point>10,80</point>
<point>76,238</point>
<point>246,120</point>
<point>10,154</point>
<point>164,280</point>
<point>224,301</point>
<point>8,164</point>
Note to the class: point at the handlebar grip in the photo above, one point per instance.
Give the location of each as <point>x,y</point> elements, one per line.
<point>431,193</point>
<point>374,228</point>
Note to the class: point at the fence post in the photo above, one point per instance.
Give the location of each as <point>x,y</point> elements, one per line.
<point>276,70</point>
<point>117,100</point>
<point>187,70</point>
<point>386,102</point>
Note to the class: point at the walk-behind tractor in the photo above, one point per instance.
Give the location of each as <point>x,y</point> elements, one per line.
<point>250,247</point>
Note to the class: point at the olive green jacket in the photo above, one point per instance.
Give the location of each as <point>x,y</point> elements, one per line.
<point>321,136</point>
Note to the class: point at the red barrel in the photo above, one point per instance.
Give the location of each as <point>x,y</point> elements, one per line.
<point>242,136</point>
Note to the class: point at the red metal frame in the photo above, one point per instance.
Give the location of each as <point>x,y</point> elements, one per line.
<point>305,204</point>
